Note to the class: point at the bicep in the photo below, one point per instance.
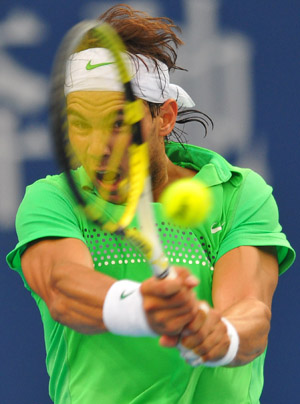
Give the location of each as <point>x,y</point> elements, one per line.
<point>245,272</point>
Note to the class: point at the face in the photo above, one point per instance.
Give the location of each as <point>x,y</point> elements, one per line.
<point>96,126</point>
<point>98,134</point>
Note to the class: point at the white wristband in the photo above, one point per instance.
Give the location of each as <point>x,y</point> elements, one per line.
<point>195,360</point>
<point>233,346</point>
<point>123,312</point>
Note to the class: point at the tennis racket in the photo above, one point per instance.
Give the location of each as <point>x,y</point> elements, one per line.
<point>123,128</point>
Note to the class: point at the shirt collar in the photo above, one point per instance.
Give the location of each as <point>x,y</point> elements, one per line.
<point>80,176</point>
<point>212,168</point>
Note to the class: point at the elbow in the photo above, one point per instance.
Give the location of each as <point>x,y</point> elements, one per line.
<point>57,308</point>
<point>56,301</point>
<point>265,329</point>
<point>260,340</point>
<point>254,337</point>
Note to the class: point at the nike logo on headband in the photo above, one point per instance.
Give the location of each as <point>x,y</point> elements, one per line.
<point>89,66</point>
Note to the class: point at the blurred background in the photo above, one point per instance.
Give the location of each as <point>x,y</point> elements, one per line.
<point>243,61</point>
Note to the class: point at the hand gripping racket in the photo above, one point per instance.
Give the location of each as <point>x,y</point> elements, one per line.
<point>122,127</point>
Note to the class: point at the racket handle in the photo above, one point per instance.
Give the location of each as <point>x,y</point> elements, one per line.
<point>164,272</point>
<point>171,273</point>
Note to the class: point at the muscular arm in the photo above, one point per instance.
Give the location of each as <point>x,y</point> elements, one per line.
<point>244,282</point>
<point>61,272</point>
<point>243,286</point>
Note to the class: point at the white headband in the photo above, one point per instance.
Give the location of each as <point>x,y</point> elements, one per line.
<point>93,70</point>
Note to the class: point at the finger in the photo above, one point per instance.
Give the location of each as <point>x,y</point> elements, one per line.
<point>216,342</point>
<point>169,341</point>
<point>200,318</point>
<point>163,324</point>
<point>217,351</point>
<point>213,348</point>
<point>161,287</point>
<point>189,280</point>
<point>184,299</point>
<point>201,327</point>
<point>165,315</point>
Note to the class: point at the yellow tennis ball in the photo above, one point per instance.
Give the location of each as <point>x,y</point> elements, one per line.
<point>186,202</point>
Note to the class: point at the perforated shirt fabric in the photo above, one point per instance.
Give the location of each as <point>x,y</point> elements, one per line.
<point>110,369</point>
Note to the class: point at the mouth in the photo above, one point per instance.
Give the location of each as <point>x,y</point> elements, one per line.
<point>108,178</point>
<point>110,184</point>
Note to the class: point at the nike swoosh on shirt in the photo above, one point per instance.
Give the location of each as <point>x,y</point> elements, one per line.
<point>89,66</point>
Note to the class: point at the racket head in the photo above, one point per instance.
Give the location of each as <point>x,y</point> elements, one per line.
<point>128,163</point>
<point>116,176</point>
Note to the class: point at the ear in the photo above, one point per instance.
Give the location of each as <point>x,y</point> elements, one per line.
<point>168,115</point>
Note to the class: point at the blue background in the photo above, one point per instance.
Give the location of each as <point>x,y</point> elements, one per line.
<point>273,27</point>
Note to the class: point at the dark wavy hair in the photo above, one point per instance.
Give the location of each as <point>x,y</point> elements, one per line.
<point>155,38</point>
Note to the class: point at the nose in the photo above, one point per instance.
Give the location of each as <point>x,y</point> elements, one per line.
<point>100,144</point>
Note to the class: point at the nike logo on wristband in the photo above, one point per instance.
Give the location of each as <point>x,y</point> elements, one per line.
<point>125,294</point>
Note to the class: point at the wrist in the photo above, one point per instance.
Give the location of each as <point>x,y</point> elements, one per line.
<point>195,360</point>
<point>232,349</point>
<point>123,312</point>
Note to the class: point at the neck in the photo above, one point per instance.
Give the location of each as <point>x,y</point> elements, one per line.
<point>164,178</point>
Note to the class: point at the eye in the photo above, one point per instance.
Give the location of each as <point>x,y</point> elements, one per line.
<point>79,124</point>
<point>118,123</point>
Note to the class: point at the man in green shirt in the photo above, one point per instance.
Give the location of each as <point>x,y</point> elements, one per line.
<point>113,333</point>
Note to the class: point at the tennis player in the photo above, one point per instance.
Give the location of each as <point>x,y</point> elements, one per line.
<point>113,333</point>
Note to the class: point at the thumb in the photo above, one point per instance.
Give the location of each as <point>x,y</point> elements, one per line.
<point>169,341</point>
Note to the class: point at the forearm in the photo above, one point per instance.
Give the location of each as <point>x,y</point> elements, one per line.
<point>80,300</point>
<point>76,297</point>
<point>208,340</point>
<point>251,319</point>
<point>244,282</point>
<point>61,272</point>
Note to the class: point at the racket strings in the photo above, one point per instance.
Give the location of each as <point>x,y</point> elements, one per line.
<point>122,168</point>
<point>133,180</point>
<point>138,171</point>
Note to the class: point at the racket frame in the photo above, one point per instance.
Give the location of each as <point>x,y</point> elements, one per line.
<point>140,195</point>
